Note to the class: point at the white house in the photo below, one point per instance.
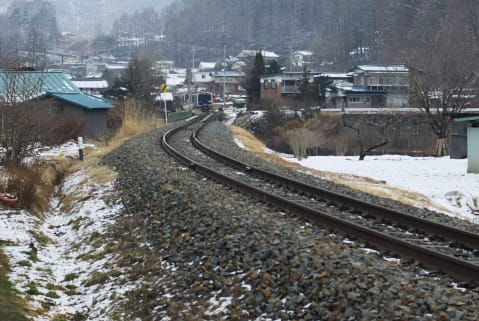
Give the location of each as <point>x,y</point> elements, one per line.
<point>92,87</point>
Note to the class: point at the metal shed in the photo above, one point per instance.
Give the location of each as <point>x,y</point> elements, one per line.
<point>472,142</point>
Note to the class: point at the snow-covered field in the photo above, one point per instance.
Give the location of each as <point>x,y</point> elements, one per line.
<point>443,180</point>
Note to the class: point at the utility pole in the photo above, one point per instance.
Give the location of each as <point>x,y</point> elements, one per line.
<point>190,78</point>
<point>224,74</point>
<point>224,65</point>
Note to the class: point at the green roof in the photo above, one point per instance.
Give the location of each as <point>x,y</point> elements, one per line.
<point>36,82</point>
<point>470,118</point>
<point>82,100</point>
<point>33,84</point>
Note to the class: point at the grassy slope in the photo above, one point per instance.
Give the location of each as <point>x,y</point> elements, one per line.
<point>12,308</point>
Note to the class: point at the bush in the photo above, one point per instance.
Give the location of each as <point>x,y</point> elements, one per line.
<point>25,125</point>
<point>61,128</point>
<point>32,183</point>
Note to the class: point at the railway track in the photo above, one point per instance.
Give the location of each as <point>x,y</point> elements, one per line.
<point>439,247</point>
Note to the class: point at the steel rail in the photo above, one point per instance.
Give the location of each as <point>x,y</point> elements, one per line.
<point>459,236</point>
<point>457,268</point>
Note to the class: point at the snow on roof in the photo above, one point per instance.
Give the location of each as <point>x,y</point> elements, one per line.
<point>207,65</point>
<point>381,68</point>
<point>303,52</point>
<point>117,66</point>
<point>227,73</point>
<point>95,75</point>
<point>252,53</point>
<point>99,84</point>
<point>333,75</point>
<point>174,81</point>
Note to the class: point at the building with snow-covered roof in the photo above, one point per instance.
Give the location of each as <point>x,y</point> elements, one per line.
<point>230,79</point>
<point>207,66</point>
<point>301,58</point>
<point>202,80</point>
<point>372,86</point>
<point>92,87</point>
<point>267,55</point>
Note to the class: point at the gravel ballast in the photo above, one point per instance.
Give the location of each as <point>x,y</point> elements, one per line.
<point>210,253</point>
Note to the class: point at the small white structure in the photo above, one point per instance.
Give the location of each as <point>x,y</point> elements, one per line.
<point>92,87</point>
<point>473,149</point>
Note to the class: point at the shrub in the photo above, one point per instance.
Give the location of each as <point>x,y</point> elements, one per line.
<point>97,278</point>
<point>32,183</point>
<point>61,128</point>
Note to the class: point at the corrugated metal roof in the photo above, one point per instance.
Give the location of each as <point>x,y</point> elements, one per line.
<point>35,82</point>
<point>470,118</point>
<point>83,100</point>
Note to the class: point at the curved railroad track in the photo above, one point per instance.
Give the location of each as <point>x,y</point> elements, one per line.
<point>437,246</point>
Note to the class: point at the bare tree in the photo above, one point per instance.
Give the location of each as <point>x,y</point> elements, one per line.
<point>443,78</point>
<point>300,140</point>
<point>21,123</point>
<point>363,150</point>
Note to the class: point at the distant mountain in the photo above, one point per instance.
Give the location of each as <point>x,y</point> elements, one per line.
<point>94,16</point>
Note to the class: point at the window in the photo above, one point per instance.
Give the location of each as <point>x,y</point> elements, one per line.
<point>353,99</point>
<point>359,99</point>
<point>273,84</point>
<point>266,84</point>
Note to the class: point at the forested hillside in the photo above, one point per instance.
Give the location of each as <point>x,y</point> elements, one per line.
<point>337,31</point>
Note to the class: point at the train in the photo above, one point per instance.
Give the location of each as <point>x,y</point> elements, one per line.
<point>202,100</point>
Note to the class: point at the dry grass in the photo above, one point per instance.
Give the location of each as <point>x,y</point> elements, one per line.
<point>365,184</point>
<point>137,119</point>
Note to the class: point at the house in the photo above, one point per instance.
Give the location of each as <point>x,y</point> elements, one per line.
<point>282,87</point>
<point>92,87</point>
<point>115,70</point>
<point>206,66</point>
<point>63,95</point>
<point>268,56</point>
<point>201,77</point>
<point>301,58</point>
<point>202,81</point>
<point>371,86</point>
<point>230,80</point>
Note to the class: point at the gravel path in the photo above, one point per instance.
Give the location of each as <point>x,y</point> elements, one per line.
<point>209,253</point>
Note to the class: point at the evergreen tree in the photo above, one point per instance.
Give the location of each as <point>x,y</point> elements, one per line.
<point>251,81</point>
<point>308,89</point>
<point>137,82</point>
